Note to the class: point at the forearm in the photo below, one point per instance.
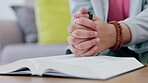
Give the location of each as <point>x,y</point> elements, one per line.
<point>125,32</point>
<point>138,27</point>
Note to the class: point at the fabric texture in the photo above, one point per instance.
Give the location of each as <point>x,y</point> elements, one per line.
<point>118,10</point>
<point>26,22</point>
<point>125,52</point>
<point>9,33</point>
<point>22,51</point>
<point>137,21</point>
<point>53,19</point>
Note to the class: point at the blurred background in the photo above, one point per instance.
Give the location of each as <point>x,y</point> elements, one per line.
<point>33,28</point>
<point>6,12</point>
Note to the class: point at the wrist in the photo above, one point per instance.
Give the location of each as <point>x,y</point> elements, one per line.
<point>126,33</point>
<point>119,35</point>
<point>112,31</point>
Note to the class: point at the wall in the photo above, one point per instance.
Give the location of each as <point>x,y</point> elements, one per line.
<point>6,12</point>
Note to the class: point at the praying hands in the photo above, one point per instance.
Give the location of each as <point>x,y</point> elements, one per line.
<point>89,37</point>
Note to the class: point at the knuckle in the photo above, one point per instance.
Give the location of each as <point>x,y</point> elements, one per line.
<point>76,33</point>
<point>81,21</point>
<point>87,54</point>
<point>93,25</point>
<point>93,42</point>
<point>92,52</point>
<point>80,46</point>
<point>73,26</point>
<point>84,15</point>
<point>73,40</point>
<point>69,39</point>
<point>73,49</point>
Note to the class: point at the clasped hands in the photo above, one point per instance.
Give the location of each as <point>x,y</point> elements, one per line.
<point>89,37</point>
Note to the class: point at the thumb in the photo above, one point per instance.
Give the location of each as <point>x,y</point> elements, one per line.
<point>83,10</point>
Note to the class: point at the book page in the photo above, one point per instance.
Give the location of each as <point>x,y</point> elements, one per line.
<point>94,67</point>
<point>86,60</point>
<point>79,60</point>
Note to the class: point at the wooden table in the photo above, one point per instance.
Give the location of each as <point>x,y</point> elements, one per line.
<point>138,76</point>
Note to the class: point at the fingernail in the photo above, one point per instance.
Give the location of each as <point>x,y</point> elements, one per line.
<point>97,40</point>
<point>95,34</point>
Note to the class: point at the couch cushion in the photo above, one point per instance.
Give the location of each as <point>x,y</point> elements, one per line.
<point>26,21</point>
<point>9,33</point>
<point>21,51</point>
<point>53,18</point>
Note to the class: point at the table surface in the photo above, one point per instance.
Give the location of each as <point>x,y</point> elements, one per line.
<point>137,76</point>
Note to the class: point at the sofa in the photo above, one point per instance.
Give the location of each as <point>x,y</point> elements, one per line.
<point>12,46</point>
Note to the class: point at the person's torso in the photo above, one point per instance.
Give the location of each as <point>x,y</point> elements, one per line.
<point>118,10</point>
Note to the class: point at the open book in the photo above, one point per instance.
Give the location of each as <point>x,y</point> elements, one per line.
<point>95,67</point>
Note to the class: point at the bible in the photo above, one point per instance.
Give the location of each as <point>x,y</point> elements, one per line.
<point>94,67</point>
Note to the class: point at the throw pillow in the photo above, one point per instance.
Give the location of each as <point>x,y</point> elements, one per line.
<point>53,18</point>
<point>27,24</point>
